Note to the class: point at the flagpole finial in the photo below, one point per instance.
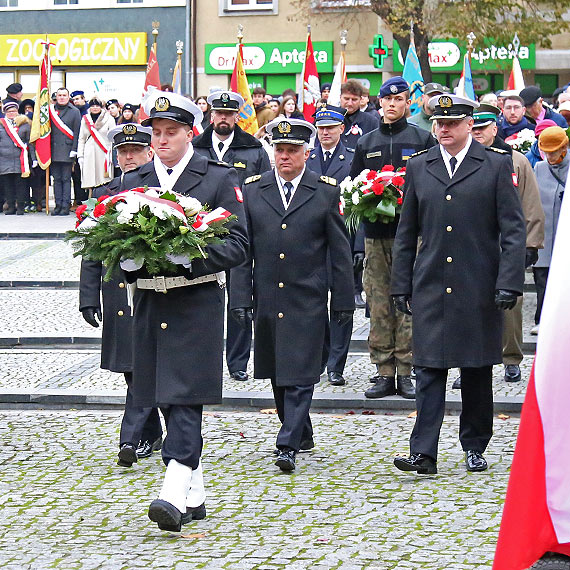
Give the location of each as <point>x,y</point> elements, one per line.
<point>470,38</point>
<point>179,46</point>
<point>343,36</point>
<point>516,43</point>
<point>155,26</point>
<point>309,29</point>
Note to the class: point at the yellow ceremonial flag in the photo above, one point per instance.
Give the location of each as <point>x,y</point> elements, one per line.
<point>247,119</point>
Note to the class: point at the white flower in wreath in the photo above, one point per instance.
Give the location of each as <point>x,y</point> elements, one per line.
<point>126,211</point>
<point>355,198</point>
<point>191,205</point>
<point>346,184</point>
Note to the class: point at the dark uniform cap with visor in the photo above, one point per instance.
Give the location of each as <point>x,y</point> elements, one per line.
<point>291,131</point>
<point>450,106</point>
<point>130,133</point>
<point>225,101</point>
<point>485,115</point>
<point>167,105</point>
<point>329,116</point>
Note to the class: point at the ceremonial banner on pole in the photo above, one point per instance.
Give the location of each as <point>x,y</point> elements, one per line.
<point>247,119</point>
<point>177,76</point>
<point>41,126</point>
<point>536,516</point>
<point>311,92</point>
<point>516,81</point>
<point>152,79</point>
<point>338,79</point>
<point>413,75</point>
<point>465,86</point>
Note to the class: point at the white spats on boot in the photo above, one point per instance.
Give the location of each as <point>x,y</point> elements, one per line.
<point>197,494</point>
<point>176,484</point>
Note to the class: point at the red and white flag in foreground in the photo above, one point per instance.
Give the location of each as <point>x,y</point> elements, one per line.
<point>311,91</point>
<point>152,79</point>
<point>536,517</point>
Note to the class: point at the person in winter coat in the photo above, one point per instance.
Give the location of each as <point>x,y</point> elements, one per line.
<point>93,147</point>
<point>551,175</point>
<point>534,155</point>
<point>15,157</point>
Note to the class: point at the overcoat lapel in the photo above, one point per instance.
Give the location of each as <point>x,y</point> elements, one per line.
<point>192,175</point>
<point>435,165</point>
<point>270,193</point>
<point>305,191</point>
<point>473,160</point>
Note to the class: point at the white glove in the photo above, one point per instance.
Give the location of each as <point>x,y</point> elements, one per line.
<point>183,260</point>
<point>72,153</point>
<point>131,264</point>
<point>34,163</point>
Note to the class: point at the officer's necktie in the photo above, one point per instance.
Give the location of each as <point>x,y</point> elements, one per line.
<point>452,164</point>
<point>169,171</point>
<point>221,146</point>
<point>288,187</point>
<point>328,155</point>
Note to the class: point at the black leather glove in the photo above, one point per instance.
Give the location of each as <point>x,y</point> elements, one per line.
<point>89,314</point>
<point>531,256</point>
<point>358,262</point>
<point>243,316</point>
<point>342,317</point>
<point>401,302</point>
<point>505,299</point>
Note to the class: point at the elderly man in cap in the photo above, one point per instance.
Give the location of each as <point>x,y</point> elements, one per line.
<point>14,93</point>
<point>460,198</point>
<point>294,223</point>
<point>178,321</point>
<point>536,110</point>
<point>423,118</point>
<point>485,132</point>
<point>141,432</point>
<point>331,158</point>
<point>390,338</point>
<point>225,141</point>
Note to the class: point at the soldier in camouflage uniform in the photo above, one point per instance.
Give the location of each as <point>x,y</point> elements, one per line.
<point>390,338</point>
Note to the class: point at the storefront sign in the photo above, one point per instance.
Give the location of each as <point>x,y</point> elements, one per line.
<point>378,51</point>
<point>74,49</point>
<point>270,58</point>
<point>447,55</point>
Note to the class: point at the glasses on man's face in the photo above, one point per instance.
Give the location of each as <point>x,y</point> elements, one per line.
<point>512,108</point>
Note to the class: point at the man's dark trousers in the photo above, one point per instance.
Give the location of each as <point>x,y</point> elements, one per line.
<point>475,421</point>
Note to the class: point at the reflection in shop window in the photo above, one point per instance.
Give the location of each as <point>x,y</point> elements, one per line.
<point>251,4</point>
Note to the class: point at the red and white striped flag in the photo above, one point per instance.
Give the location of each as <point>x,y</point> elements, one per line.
<point>152,79</point>
<point>536,517</point>
<point>311,90</point>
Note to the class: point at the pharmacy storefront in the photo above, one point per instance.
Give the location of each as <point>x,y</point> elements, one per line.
<point>274,66</point>
<point>108,65</point>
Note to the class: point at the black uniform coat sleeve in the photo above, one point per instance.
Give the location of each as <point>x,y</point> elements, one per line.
<point>179,336</point>
<point>289,253</point>
<point>473,242</point>
<point>116,337</point>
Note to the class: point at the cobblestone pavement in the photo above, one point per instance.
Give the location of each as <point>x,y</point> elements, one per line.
<point>65,504</point>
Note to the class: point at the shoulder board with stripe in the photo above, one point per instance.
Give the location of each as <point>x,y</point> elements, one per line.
<point>219,163</point>
<point>252,179</point>
<point>419,152</point>
<point>499,150</point>
<point>328,180</point>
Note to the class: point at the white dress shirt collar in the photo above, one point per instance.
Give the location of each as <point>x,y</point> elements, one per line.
<point>167,181</point>
<point>459,156</point>
<point>281,182</point>
<point>216,144</point>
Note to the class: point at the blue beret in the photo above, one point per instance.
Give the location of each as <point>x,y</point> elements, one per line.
<point>393,86</point>
<point>77,93</point>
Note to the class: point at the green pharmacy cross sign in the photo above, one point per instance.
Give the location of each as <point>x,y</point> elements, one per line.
<point>378,51</point>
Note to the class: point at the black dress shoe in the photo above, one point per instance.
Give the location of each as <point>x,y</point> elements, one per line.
<point>166,515</point>
<point>64,212</point>
<point>56,211</point>
<point>513,373</point>
<point>422,464</point>
<point>384,386</point>
<point>457,384</point>
<point>336,379</point>
<point>375,378</point>
<point>127,455</point>
<point>359,302</point>
<point>405,388</point>
<point>240,375</point>
<point>146,447</point>
<point>305,445</point>
<point>474,461</point>
<point>10,212</point>
<point>194,514</point>
<point>286,460</point>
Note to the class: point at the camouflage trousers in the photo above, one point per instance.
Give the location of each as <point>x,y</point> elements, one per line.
<point>390,338</point>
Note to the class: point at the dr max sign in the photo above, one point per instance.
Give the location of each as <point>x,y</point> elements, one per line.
<point>74,49</point>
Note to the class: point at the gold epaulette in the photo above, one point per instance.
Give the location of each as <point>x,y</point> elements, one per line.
<point>419,152</point>
<point>499,150</point>
<point>254,178</point>
<point>328,180</point>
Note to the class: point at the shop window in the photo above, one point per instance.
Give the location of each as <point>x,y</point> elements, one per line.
<point>8,3</point>
<point>129,1</point>
<point>249,6</point>
<point>64,2</point>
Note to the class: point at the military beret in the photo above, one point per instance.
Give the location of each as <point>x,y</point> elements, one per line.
<point>393,86</point>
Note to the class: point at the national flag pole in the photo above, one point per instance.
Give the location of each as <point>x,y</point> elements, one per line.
<point>412,73</point>
<point>247,118</point>
<point>152,78</point>
<point>311,90</point>
<point>465,86</point>
<point>340,72</point>
<point>40,133</point>
<point>177,73</point>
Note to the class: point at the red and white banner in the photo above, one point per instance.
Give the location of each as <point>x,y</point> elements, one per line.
<point>41,125</point>
<point>13,134</point>
<point>203,219</point>
<point>536,516</point>
<point>98,139</point>
<point>311,91</point>
<point>57,121</point>
<point>152,79</point>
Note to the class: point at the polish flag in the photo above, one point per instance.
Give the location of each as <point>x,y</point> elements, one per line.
<point>536,516</point>
<point>152,79</point>
<point>311,91</point>
<point>516,80</point>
